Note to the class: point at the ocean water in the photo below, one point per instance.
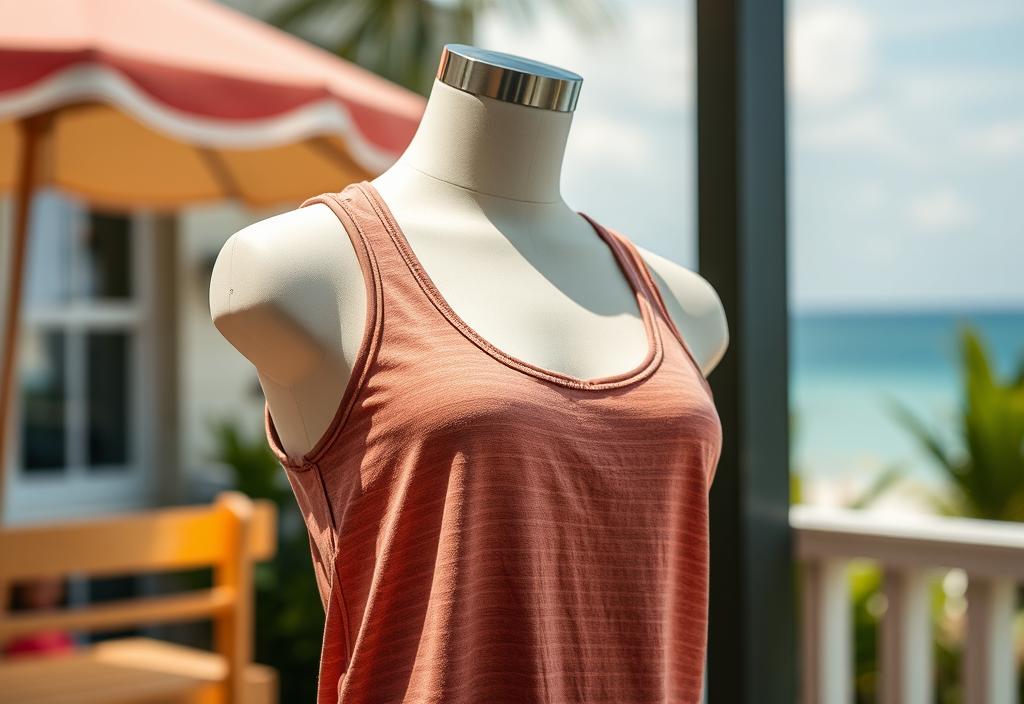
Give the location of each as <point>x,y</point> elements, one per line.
<point>843,366</point>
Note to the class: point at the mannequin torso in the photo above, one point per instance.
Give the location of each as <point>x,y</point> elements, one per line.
<point>477,196</point>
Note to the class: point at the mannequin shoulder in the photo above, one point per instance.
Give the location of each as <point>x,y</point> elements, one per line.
<point>273,297</point>
<point>694,306</point>
<point>281,251</point>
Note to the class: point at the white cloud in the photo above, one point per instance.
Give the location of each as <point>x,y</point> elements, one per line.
<point>940,210</point>
<point>950,87</point>
<point>829,53</point>
<point>999,140</point>
<point>951,17</point>
<point>867,126</point>
<point>610,142</point>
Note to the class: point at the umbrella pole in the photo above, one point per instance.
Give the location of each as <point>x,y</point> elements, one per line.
<point>32,129</point>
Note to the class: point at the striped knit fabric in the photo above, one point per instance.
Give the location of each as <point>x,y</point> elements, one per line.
<point>485,530</point>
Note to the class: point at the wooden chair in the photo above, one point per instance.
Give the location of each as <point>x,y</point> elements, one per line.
<point>229,536</point>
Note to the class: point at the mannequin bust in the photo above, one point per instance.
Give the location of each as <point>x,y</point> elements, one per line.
<point>477,195</point>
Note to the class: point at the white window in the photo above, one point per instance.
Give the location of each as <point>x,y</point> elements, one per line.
<point>80,440</point>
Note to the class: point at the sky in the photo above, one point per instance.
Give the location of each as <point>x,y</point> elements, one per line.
<point>905,142</point>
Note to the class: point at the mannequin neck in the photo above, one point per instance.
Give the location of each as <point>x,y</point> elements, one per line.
<point>489,146</point>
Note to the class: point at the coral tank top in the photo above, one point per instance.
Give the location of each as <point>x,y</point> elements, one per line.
<point>486,530</point>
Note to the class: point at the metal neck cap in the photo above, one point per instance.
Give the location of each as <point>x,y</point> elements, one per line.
<point>512,79</point>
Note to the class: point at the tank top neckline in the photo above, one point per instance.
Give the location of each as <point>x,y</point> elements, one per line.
<point>650,362</point>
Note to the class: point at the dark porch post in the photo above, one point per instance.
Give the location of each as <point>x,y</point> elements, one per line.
<point>742,236</point>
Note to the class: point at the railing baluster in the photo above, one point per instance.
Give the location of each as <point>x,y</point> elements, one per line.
<point>905,639</point>
<point>989,672</point>
<point>827,634</point>
<point>991,553</point>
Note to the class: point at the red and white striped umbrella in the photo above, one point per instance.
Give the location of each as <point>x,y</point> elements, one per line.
<point>182,101</point>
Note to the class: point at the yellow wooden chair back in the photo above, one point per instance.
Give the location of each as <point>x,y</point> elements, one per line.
<point>228,535</point>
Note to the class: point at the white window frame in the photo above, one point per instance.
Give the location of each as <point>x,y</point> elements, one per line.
<point>79,490</point>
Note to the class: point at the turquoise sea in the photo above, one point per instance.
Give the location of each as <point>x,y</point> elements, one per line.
<point>842,365</point>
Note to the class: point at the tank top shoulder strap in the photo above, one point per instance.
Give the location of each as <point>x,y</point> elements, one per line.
<point>653,293</point>
<point>365,225</point>
<point>357,216</point>
<point>361,231</point>
<point>639,268</point>
<point>384,265</point>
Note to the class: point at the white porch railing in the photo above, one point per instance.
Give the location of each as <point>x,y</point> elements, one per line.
<point>909,551</point>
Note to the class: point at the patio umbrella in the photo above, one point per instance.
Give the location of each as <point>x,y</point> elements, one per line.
<point>165,103</point>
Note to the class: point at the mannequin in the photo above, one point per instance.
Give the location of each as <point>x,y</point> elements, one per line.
<point>477,195</point>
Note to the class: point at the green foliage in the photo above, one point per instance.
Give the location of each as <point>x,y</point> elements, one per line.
<point>865,588</point>
<point>289,613</point>
<point>988,478</point>
<point>402,39</point>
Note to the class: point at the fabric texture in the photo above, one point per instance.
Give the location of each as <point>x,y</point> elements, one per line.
<point>486,530</point>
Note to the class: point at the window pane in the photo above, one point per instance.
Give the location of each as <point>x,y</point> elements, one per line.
<point>108,393</point>
<point>43,388</point>
<point>105,269</point>
<point>48,261</point>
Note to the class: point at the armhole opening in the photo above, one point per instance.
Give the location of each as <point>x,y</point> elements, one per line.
<point>367,345</point>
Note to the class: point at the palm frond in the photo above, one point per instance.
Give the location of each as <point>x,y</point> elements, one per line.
<point>925,437</point>
<point>881,484</point>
